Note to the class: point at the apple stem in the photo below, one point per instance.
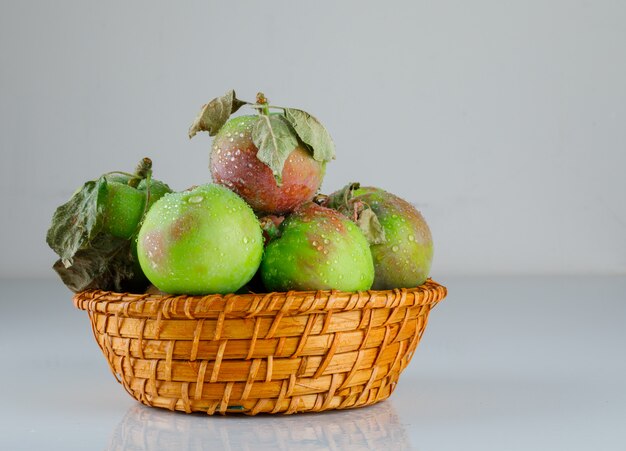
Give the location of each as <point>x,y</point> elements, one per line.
<point>321,199</point>
<point>143,170</point>
<point>263,103</point>
<point>147,202</point>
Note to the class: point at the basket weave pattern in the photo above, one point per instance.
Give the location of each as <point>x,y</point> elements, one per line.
<point>278,352</point>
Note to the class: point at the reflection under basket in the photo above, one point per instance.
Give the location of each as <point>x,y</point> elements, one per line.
<point>376,427</point>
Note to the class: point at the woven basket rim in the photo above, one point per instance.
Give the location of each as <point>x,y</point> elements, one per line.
<point>254,304</point>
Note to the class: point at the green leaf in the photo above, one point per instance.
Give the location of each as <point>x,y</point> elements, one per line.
<point>214,114</point>
<point>345,202</point>
<point>78,221</point>
<point>275,140</point>
<point>370,226</point>
<point>107,264</point>
<point>312,133</point>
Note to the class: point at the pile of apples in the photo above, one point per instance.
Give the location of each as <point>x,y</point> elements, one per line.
<point>260,226</point>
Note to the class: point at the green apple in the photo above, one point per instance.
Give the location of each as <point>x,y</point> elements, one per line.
<point>125,204</point>
<point>318,249</point>
<point>204,240</point>
<point>403,258</point>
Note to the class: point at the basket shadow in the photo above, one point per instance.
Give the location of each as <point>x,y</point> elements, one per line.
<point>375,427</point>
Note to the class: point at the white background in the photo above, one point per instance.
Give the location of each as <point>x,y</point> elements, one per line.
<point>503,121</point>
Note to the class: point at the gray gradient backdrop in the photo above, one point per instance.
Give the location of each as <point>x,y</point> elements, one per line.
<point>503,121</point>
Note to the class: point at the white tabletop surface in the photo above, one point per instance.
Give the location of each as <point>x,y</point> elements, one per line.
<point>506,363</point>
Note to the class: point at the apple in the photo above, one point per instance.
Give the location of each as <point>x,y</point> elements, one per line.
<point>274,160</point>
<point>234,164</point>
<point>125,204</point>
<point>201,241</point>
<point>318,249</point>
<point>404,257</point>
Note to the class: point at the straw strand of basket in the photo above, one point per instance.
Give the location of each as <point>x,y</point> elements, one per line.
<point>334,384</point>
<point>212,407</point>
<point>168,359</point>
<point>270,368</point>
<point>142,391</point>
<point>153,378</point>
<point>327,317</point>
<point>293,405</point>
<point>368,386</point>
<point>254,369</point>
<point>302,368</point>
<point>184,396</point>
<point>196,339</point>
<point>408,355</point>
<point>383,345</point>
<point>405,320</point>
<point>258,406</point>
<point>200,379</point>
<point>291,387</point>
<point>366,318</point>
<point>218,361</point>
<point>329,355</point>
<point>305,335</point>
<point>127,355</point>
<point>219,325</point>
<point>142,328</point>
<point>280,346</point>
<point>355,367</point>
<point>255,334</point>
<point>398,358</point>
<point>279,316</point>
<point>281,396</point>
<point>380,390</point>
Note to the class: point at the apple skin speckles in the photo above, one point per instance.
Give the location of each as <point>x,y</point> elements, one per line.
<point>405,258</point>
<point>318,249</point>
<point>201,241</point>
<point>234,164</point>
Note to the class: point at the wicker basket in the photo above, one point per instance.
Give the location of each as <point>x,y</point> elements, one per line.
<point>253,353</point>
